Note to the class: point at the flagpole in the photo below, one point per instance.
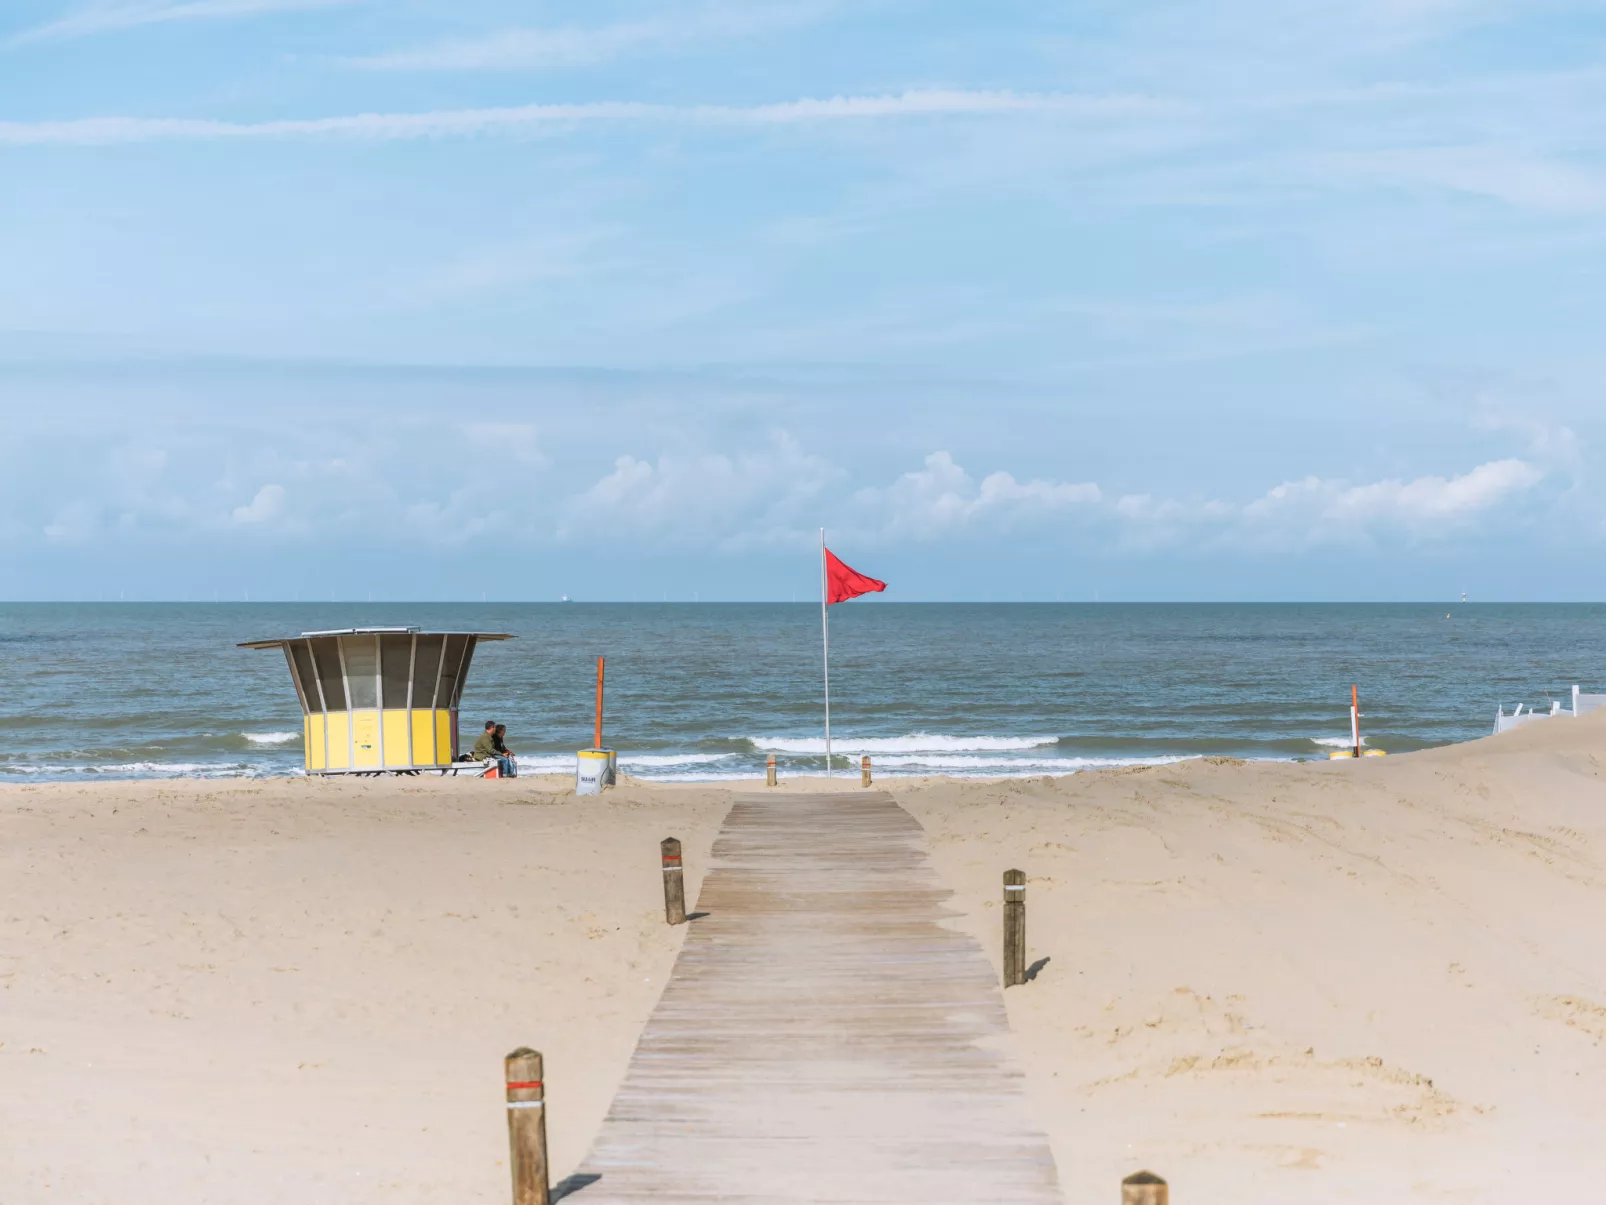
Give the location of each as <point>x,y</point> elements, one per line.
<point>825,643</point>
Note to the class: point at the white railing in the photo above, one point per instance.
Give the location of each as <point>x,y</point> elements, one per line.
<point>1583,704</point>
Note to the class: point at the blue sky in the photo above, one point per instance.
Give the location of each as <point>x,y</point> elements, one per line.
<point>313,298</point>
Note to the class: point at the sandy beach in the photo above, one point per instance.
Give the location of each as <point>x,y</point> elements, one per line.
<point>1353,981</point>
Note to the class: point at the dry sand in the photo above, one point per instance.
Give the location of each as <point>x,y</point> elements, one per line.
<point>1360,981</point>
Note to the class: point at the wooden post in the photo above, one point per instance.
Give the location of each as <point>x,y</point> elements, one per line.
<point>597,735</point>
<point>526,1127</point>
<point>1014,927</point>
<point>864,770</point>
<point>769,771</point>
<point>1144,1188</point>
<point>674,883</point>
<point>1355,717</point>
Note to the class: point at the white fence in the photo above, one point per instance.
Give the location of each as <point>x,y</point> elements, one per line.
<point>1583,704</point>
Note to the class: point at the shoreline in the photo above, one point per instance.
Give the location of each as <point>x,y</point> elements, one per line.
<point>850,778</point>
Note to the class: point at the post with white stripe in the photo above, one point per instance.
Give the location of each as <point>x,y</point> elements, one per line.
<point>526,1127</point>
<point>1014,927</point>
<point>674,883</point>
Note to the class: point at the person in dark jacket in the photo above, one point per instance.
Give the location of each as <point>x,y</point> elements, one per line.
<point>491,747</point>
<point>510,767</point>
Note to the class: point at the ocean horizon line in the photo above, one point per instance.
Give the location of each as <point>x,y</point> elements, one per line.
<point>814,602</point>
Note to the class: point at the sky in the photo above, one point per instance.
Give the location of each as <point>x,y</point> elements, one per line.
<point>451,299</point>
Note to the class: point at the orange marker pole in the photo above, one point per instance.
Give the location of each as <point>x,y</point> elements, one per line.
<point>1354,716</point>
<point>597,742</point>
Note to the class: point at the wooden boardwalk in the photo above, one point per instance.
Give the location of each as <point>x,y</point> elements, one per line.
<point>824,1038</point>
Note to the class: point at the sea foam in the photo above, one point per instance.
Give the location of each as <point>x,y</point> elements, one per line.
<point>271,738</point>
<point>148,769</point>
<point>1016,765</point>
<point>627,761</point>
<point>915,742</point>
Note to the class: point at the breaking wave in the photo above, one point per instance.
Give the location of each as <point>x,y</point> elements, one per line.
<point>916,742</point>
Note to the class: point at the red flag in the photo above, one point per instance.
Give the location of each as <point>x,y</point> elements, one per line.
<point>843,583</point>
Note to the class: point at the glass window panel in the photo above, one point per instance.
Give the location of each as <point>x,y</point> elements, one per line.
<point>301,655</point>
<point>290,662</point>
<point>462,673</point>
<point>362,670</point>
<point>326,655</point>
<point>395,656</point>
<point>454,658</point>
<point>425,669</point>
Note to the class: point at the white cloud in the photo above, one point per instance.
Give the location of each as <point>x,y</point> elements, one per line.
<point>1315,511</point>
<point>264,508</point>
<point>1550,443</point>
<point>943,499</point>
<point>507,441</point>
<point>779,496</point>
<point>74,523</point>
<point>129,14</point>
<point>570,254</point>
<point>1513,177</point>
<point>513,48</point>
<point>767,496</point>
<point>571,46</point>
<point>446,123</point>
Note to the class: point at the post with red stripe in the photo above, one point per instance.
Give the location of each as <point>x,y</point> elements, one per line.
<point>864,770</point>
<point>1014,927</point>
<point>769,771</point>
<point>674,883</point>
<point>526,1127</point>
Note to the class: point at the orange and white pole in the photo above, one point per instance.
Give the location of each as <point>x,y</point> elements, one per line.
<point>1354,717</point>
<point>597,741</point>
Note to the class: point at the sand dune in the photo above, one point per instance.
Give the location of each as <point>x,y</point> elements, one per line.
<point>1382,980</point>
<point>1354,981</point>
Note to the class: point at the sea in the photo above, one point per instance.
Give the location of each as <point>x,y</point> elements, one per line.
<point>708,691</point>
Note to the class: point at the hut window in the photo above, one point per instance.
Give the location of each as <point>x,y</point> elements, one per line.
<point>326,654</point>
<point>426,668</point>
<point>362,670</point>
<point>449,671</point>
<point>462,674</point>
<point>301,654</point>
<point>395,655</point>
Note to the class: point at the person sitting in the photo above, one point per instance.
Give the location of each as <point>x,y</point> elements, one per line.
<point>510,765</point>
<point>489,747</point>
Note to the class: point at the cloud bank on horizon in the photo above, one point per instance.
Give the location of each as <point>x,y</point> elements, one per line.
<point>310,297</point>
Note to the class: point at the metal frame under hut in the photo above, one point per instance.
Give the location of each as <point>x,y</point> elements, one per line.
<point>378,700</point>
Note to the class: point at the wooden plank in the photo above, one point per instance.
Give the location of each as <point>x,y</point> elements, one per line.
<point>824,1037</point>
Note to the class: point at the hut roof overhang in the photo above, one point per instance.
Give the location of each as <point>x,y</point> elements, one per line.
<point>283,640</point>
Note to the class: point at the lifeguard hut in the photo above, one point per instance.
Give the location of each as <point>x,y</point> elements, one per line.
<point>378,700</point>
